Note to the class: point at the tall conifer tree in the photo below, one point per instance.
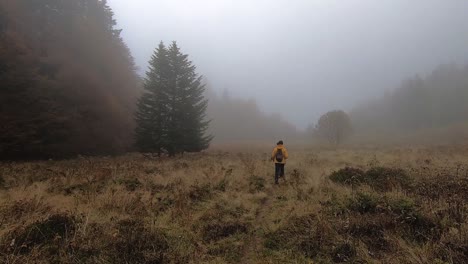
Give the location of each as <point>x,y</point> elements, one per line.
<point>189,122</point>
<point>151,116</point>
<point>171,115</point>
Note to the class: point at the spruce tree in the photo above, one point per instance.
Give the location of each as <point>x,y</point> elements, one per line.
<point>171,114</point>
<point>151,116</point>
<point>188,122</point>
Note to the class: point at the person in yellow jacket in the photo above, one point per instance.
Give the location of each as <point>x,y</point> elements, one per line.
<point>279,156</point>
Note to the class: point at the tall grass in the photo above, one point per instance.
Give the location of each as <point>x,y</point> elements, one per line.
<point>392,205</point>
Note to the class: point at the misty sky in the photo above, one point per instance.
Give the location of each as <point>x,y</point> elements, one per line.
<point>304,57</point>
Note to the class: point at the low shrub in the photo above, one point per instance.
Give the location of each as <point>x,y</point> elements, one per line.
<point>401,217</point>
<point>371,231</point>
<point>379,178</point>
<point>447,187</point>
<point>348,176</point>
<point>217,230</point>
<point>363,203</point>
<point>343,252</point>
<point>386,179</point>
<point>453,248</point>
<point>52,234</point>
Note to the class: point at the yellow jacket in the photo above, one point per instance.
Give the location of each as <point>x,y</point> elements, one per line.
<point>285,154</point>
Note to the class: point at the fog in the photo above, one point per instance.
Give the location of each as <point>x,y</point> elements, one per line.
<point>386,72</point>
<point>311,55</point>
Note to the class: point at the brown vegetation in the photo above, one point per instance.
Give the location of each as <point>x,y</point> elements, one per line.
<point>360,206</point>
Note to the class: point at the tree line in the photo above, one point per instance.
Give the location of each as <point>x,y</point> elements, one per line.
<point>69,86</point>
<point>67,80</point>
<point>436,101</point>
<point>237,120</point>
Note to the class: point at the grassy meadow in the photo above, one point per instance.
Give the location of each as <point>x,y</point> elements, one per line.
<point>366,205</point>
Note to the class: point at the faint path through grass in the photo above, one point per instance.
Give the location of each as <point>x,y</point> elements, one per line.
<point>254,245</point>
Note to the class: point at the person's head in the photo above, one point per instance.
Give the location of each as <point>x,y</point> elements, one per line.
<point>280,142</point>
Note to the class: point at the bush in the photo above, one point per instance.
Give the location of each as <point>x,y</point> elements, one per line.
<point>219,229</point>
<point>385,179</point>
<point>452,248</point>
<point>371,231</point>
<point>344,252</point>
<point>414,225</point>
<point>348,176</point>
<point>379,178</point>
<point>52,233</point>
<point>363,203</point>
<point>368,216</point>
<point>443,187</point>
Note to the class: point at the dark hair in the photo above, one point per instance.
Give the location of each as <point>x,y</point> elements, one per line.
<point>280,142</point>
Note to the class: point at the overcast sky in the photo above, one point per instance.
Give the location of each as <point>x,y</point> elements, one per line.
<point>301,57</point>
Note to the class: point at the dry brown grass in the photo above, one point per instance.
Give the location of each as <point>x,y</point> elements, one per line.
<point>222,207</point>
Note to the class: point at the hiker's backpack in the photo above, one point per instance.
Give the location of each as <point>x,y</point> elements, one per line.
<point>279,155</point>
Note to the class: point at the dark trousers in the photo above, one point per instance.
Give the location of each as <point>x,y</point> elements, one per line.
<point>279,171</point>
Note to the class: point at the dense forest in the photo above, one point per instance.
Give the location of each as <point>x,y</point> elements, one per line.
<point>68,81</point>
<point>435,102</point>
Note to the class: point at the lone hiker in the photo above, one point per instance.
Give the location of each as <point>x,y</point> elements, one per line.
<point>279,156</point>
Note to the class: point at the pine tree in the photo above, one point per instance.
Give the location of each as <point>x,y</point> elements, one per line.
<point>171,114</point>
<point>188,117</point>
<point>151,116</point>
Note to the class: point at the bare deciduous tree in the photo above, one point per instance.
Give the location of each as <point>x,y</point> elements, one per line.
<point>334,126</point>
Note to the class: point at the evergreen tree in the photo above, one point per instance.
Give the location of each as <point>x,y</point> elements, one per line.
<point>152,110</point>
<point>187,123</point>
<point>171,114</point>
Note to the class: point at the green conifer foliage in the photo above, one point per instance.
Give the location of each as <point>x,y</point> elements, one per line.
<point>171,113</point>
